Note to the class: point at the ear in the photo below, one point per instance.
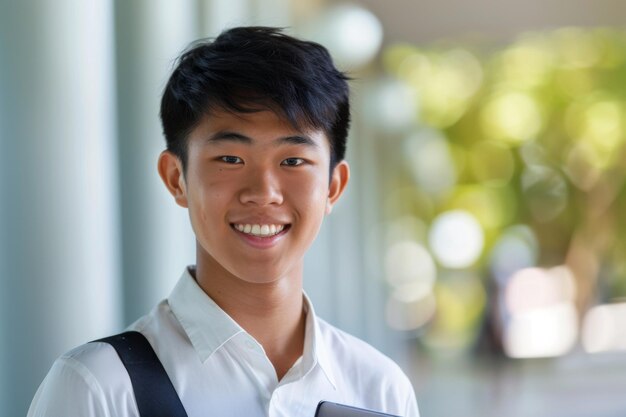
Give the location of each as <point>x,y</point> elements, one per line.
<point>171,172</point>
<point>338,182</point>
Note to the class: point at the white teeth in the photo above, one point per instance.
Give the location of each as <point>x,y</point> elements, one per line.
<point>262,230</point>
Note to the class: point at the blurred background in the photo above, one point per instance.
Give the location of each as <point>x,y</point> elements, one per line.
<point>481,241</point>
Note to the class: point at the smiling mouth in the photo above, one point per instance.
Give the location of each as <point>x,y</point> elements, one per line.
<point>261,230</point>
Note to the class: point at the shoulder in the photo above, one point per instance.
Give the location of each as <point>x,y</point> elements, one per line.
<point>372,379</point>
<point>91,380</point>
<point>85,381</point>
<point>95,359</point>
<point>100,359</point>
<point>347,348</point>
<point>357,357</point>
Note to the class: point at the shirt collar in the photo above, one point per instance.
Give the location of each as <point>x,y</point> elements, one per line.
<point>315,350</point>
<point>209,327</point>
<point>206,324</point>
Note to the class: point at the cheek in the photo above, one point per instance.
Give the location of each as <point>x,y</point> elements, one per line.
<point>206,202</point>
<point>310,195</point>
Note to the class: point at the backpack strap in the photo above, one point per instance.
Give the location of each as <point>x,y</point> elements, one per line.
<point>154,392</point>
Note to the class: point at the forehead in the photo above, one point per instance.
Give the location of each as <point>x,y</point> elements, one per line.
<point>257,128</point>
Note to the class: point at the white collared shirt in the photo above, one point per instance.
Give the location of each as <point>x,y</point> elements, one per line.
<point>218,369</point>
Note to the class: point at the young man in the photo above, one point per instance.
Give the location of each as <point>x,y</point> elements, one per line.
<point>256,125</point>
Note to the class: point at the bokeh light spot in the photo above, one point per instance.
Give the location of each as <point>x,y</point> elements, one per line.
<point>409,262</point>
<point>513,117</point>
<point>430,161</point>
<point>604,328</point>
<point>352,34</point>
<point>391,106</point>
<point>405,315</point>
<point>526,64</point>
<point>542,332</point>
<point>543,320</point>
<point>456,239</point>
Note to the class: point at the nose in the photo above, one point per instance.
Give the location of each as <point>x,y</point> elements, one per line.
<point>261,188</point>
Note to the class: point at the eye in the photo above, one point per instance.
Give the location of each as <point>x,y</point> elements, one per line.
<point>293,162</point>
<point>229,159</point>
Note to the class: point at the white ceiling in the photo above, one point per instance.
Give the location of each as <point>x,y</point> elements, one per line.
<point>428,20</point>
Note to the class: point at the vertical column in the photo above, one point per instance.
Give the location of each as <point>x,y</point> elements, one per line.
<point>367,169</point>
<point>157,239</point>
<point>272,12</point>
<point>59,264</point>
<point>218,15</point>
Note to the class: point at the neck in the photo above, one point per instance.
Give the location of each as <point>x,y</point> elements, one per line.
<point>271,312</point>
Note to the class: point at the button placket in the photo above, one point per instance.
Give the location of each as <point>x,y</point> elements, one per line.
<point>274,404</point>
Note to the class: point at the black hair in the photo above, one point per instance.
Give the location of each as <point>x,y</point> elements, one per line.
<point>249,69</point>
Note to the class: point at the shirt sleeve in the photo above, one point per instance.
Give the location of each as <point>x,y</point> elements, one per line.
<point>411,406</point>
<point>69,389</point>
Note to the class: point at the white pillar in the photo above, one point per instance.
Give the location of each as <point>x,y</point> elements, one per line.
<point>273,13</point>
<point>59,269</point>
<point>218,15</point>
<point>157,239</point>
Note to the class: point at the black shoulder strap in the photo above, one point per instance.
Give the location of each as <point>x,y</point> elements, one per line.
<point>154,392</point>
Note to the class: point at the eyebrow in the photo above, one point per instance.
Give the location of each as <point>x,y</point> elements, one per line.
<point>228,136</point>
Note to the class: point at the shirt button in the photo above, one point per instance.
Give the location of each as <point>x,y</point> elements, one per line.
<point>249,344</point>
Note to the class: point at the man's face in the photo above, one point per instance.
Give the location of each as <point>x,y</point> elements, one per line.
<point>257,191</point>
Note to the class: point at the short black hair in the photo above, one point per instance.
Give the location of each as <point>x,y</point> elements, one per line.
<point>249,69</point>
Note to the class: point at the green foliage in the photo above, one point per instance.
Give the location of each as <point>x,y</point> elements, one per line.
<point>535,134</point>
